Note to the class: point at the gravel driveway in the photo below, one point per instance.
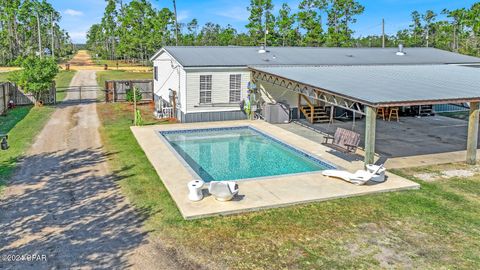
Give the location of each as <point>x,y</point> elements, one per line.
<point>63,205</point>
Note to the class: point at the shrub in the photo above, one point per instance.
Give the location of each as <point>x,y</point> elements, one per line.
<point>138,94</point>
<point>36,76</point>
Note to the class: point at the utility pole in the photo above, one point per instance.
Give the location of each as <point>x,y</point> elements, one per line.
<point>383,33</point>
<point>266,29</point>
<point>455,45</point>
<point>53,35</point>
<point>176,22</point>
<point>428,35</point>
<point>39,37</point>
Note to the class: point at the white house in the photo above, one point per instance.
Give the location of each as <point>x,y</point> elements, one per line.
<point>210,82</point>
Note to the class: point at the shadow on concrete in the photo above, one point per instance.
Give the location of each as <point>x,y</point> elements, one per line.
<point>410,137</point>
<point>60,205</point>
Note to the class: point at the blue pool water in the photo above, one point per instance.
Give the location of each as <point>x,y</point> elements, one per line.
<point>239,153</point>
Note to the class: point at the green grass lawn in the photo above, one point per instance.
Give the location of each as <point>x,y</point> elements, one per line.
<point>437,226</point>
<point>62,81</point>
<point>103,76</point>
<point>463,115</point>
<point>22,124</point>
<point>112,64</point>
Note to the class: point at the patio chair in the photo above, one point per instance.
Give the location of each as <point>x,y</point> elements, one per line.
<point>223,190</point>
<point>360,177</point>
<point>344,139</point>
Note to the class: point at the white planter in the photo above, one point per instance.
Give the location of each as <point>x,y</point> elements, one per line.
<point>195,190</point>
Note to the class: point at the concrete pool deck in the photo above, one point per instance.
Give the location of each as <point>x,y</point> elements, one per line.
<point>271,192</point>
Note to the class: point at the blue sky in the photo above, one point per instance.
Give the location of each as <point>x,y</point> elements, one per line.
<point>79,15</point>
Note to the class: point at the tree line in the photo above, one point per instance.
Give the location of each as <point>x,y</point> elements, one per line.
<point>136,30</point>
<point>459,32</point>
<point>30,27</point>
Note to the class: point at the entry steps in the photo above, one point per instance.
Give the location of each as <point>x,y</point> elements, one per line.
<point>320,114</point>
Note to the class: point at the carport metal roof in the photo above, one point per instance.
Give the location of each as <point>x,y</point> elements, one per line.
<point>376,86</point>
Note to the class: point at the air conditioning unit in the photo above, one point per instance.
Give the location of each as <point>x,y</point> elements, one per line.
<point>277,113</point>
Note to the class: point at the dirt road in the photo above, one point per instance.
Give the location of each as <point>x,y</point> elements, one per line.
<point>83,61</point>
<point>63,203</point>
<point>82,58</point>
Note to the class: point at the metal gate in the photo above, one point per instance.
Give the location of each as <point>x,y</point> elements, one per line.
<point>81,94</point>
<point>116,90</point>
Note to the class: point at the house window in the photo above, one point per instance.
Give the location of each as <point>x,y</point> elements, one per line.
<point>205,89</point>
<point>155,73</point>
<point>235,87</point>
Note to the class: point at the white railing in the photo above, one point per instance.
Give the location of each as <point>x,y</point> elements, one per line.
<point>167,112</point>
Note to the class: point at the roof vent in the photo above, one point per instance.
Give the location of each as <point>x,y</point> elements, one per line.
<point>262,49</point>
<point>401,52</point>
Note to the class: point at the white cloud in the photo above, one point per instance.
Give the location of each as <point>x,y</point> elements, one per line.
<point>79,36</point>
<point>73,12</point>
<point>236,13</point>
<point>183,15</point>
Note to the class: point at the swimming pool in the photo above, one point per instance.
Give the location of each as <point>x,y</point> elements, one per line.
<point>237,153</point>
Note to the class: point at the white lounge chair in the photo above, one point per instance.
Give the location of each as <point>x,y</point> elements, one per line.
<point>223,190</point>
<point>359,177</point>
<point>379,177</point>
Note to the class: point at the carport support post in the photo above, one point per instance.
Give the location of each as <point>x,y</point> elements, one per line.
<point>472,141</point>
<point>370,123</point>
<point>298,106</point>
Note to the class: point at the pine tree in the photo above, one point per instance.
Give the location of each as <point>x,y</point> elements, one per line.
<point>417,29</point>
<point>284,23</point>
<point>310,19</point>
<point>190,38</point>
<point>109,24</point>
<point>429,19</point>
<point>261,19</point>
<point>23,23</point>
<point>341,14</point>
<point>458,24</point>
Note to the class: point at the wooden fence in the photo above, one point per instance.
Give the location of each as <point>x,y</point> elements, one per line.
<point>116,91</point>
<point>10,91</point>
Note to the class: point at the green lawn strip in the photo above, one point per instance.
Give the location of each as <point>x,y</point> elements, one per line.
<point>462,115</point>
<point>62,82</point>
<point>103,76</point>
<point>434,227</point>
<point>22,125</point>
<point>13,117</point>
<point>112,64</point>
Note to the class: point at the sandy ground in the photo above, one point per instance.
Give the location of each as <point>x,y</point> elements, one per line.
<point>63,203</point>
<point>83,61</point>
<point>8,69</point>
<point>449,173</point>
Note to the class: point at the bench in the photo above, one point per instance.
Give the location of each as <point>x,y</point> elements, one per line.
<point>344,139</point>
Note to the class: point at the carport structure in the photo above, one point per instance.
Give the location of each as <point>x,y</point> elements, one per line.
<point>364,89</point>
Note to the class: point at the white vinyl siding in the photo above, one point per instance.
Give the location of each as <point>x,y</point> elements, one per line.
<point>170,75</point>
<point>220,89</point>
<point>235,87</point>
<point>205,89</point>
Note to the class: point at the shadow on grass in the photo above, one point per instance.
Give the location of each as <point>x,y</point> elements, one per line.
<point>63,205</point>
<point>14,116</point>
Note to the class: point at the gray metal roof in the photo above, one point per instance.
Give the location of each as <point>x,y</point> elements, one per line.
<point>243,56</point>
<point>377,85</point>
